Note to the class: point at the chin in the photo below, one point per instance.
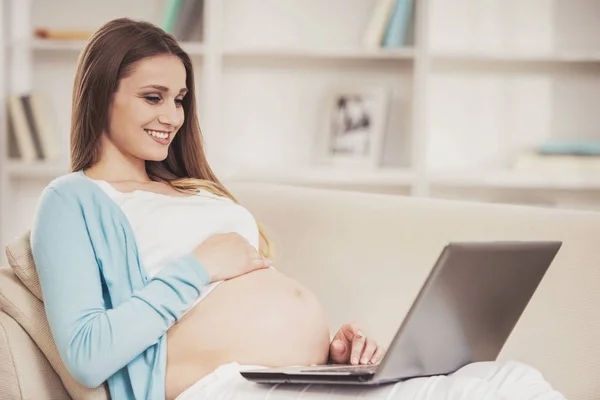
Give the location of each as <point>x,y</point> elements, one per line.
<point>154,156</point>
<point>158,158</point>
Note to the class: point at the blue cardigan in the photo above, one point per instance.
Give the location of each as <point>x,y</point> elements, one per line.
<point>108,318</point>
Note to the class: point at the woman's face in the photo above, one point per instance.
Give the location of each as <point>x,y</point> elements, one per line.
<point>147,111</point>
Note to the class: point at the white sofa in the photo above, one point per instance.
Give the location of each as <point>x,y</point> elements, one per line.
<point>366,256</point>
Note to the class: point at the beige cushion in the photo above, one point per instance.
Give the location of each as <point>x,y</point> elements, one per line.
<point>28,311</point>
<point>20,259</point>
<point>24,371</point>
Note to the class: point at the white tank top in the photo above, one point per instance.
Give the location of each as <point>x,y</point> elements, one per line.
<point>166,227</point>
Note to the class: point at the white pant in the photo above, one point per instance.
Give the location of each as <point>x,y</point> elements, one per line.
<point>478,381</point>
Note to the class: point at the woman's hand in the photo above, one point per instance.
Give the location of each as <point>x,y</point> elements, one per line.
<point>351,346</point>
<point>228,255</point>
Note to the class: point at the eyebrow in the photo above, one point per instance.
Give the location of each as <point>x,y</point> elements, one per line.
<point>163,88</point>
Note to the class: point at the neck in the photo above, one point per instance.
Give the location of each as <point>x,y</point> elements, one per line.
<point>114,166</point>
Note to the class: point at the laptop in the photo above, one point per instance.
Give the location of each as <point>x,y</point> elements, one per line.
<point>464,313</point>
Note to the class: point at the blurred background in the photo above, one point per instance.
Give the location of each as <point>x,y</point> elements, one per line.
<point>484,100</point>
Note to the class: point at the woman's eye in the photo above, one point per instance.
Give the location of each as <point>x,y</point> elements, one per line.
<point>153,99</point>
<point>179,102</point>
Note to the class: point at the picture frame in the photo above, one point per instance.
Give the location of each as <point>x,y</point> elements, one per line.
<point>354,124</point>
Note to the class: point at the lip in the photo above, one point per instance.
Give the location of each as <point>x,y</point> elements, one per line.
<point>159,140</point>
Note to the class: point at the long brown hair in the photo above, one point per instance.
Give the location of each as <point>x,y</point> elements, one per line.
<point>111,55</point>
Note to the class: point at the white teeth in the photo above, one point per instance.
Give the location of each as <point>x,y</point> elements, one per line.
<point>160,135</point>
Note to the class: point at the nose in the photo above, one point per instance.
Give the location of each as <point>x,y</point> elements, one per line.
<point>171,115</point>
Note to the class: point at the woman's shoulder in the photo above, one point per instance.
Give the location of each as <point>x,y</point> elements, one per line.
<point>70,181</point>
<point>67,196</point>
<point>71,186</point>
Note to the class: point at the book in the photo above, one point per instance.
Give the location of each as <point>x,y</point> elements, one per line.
<point>62,34</point>
<point>569,146</point>
<point>170,17</point>
<point>32,128</point>
<point>20,134</point>
<point>397,30</point>
<point>32,125</point>
<point>557,164</point>
<point>188,25</point>
<point>378,21</point>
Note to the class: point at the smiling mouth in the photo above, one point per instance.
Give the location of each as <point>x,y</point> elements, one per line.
<point>164,135</point>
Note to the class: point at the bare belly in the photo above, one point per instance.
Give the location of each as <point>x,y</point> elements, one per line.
<point>261,318</point>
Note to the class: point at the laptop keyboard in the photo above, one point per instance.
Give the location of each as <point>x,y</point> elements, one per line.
<point>357,369</point>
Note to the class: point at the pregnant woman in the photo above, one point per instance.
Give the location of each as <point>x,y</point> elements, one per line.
<point>156,280</point>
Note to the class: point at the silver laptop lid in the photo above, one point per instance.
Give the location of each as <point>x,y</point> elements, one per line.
<point>467,307</point>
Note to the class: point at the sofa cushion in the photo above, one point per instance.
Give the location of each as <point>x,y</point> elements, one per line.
<point>9,375</point>
<point>24,371</point>
<point>20,304</point>
<point>20,259</point>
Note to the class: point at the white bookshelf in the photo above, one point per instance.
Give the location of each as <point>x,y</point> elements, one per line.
<point>518,180</point>
<point>483,81</point>
<point>53,45</point>
<point>333,54</point>
<point>36,170</point>
<point>328,176</point>
<point>50,45</point>
<point>514,57</point>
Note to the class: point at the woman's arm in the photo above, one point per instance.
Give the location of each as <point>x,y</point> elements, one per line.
<point>92,341</point>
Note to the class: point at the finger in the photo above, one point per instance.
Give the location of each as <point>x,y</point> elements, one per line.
<point>368,351</point>
<point>253,253</point>
<point>261,262</point>
<point>378,355</point>
<point>350,330</point>
<point>338,352</point>
<point>358,344</point>
<point>266,263</point>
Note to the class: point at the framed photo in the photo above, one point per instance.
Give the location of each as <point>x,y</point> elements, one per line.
<point>354,126</point>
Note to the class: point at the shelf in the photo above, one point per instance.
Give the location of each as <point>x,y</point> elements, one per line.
<point>57,45</point>
<point>352,54</point>
<point>530,57</point>
<point>404,53</point>
<point>517,180</point>
<point>36,170</point>
<point>364,177</point>
<point>193,48</point>
<point>309,175</point>
<point>326,175</point>
<point>198,48</point>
